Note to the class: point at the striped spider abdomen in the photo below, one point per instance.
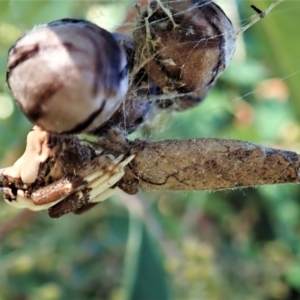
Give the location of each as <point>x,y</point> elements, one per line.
<point>68,76</point>
<point>184,45</point>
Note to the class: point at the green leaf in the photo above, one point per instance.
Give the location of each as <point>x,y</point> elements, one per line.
<point>144,276</point>
<point>279,32</point>
<point>293,276</point>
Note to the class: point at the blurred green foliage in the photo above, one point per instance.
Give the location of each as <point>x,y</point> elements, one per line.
<point>242,244</point>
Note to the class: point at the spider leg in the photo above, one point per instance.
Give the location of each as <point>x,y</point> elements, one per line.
<point>101,186</point>
<point>97,189</point>
<point>57,191</point>
<point>21,201</point>
<point>91,185</point>
<point>104,195</point>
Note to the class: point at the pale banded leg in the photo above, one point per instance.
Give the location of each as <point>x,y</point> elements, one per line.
<point>96,187</point>
<point>20,201</point>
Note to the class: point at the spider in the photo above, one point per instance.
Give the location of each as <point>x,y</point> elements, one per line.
<point>94,71</point>
<point>54,169</point>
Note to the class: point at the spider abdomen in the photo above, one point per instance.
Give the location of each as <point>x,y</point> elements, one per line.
<point>184,45</point>
<point>68,76</point>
